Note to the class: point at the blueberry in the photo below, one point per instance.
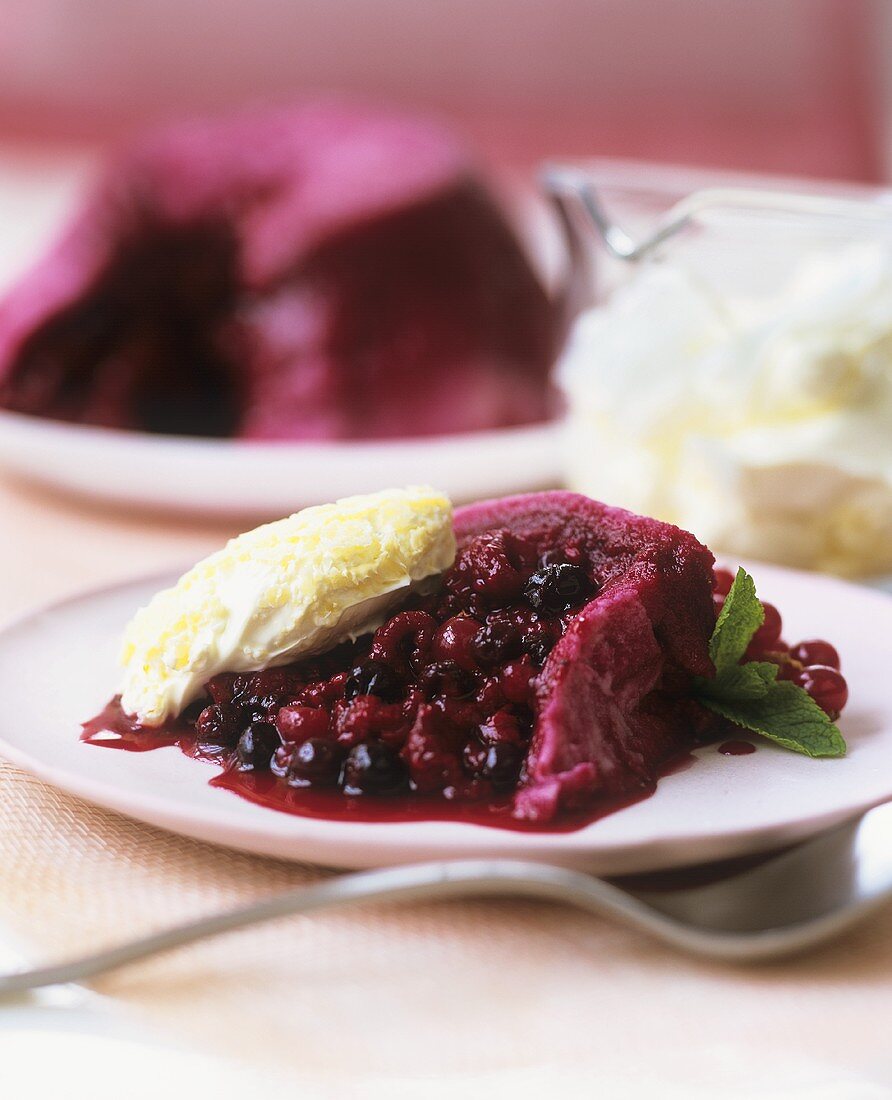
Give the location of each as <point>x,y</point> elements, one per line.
<point>193,712</point>
<point>280,761</point>
<point>502,764</point>
<point>496,641</point>
<point>372,678</point>
<point>473,757</point>
<point>241,686</point>
<point>217,725</point>
<point>538,649</point>
<point>373,768</point>
<point>256,747</point>
<point>556,588</point>
<point>445,679</point>
<point>315,762</point>
<point>268,704</point>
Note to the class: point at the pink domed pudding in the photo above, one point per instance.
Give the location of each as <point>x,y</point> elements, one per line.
<point>323,272</point>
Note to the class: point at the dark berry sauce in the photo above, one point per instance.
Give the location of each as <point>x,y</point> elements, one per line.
<point>736,748</point>
<point>118,730</point>
<point>497,811</point>
<point>113,729</point>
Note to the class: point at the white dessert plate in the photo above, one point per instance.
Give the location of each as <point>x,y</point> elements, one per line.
<point>232,478</point>
<point>57,668</point>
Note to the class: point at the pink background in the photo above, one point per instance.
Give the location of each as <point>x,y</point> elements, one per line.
<point>785,85</point>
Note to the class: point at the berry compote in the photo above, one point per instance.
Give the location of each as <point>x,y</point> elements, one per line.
<point>439,700</point>
<point>546,679</point>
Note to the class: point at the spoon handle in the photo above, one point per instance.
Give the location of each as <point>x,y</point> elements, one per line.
<point>480,878</point>
<point>413,882</point>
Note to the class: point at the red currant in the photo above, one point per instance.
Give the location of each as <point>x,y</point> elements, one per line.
<point>768,635</point>
<point>787,670</point>
<point>827,686</point>
<point>517,679</point>
<point>297,723</point>
<point>815,651</point>
<point>454,641</point>
<point>724,578</point>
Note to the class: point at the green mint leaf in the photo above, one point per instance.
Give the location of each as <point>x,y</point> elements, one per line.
<point>750,681</point>
<point>739,620</point>
<point>785,714</point>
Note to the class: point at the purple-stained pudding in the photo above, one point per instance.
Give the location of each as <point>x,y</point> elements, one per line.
<point>324,272</point>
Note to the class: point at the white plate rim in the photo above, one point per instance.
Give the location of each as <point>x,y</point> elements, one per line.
<point>266,478</point>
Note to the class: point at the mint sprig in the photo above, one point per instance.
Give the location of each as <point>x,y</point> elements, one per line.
<point>749,694</point>
<point>739,620</point>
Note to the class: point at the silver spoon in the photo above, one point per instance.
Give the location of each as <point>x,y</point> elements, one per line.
<point>576,197</point>
<point>786,904</point>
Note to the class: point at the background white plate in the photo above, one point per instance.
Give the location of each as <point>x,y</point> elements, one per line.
<point>219,477</point>
<point>57,669</point>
